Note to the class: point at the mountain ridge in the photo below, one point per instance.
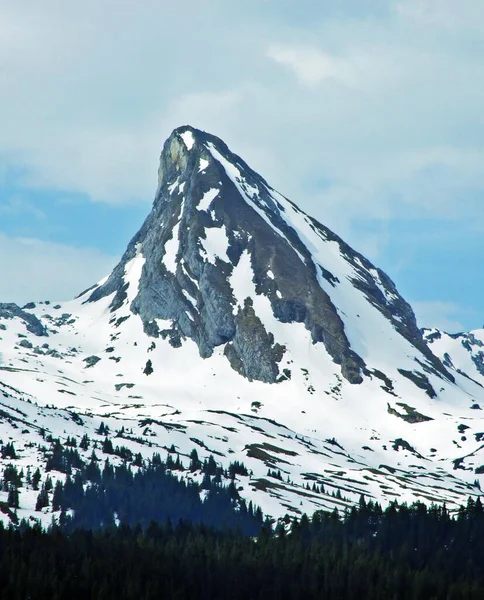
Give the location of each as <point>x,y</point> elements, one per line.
<point>236,323</point>
<point>206,167</point>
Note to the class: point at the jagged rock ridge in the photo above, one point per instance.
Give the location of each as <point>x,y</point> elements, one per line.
<point>210,210</point>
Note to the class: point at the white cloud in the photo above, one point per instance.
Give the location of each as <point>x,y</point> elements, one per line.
<point>32,269</point>
<point>313,65</point>
<point>310,65</point>
<point>447,14</point>
<point>381,96</point>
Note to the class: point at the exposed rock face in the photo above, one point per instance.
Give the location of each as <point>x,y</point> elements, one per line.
<point>212,214</point>
<point>252,351</point>
<point>11,310</point>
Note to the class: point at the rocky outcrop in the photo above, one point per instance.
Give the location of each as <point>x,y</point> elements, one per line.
<point>91,361</point>
<point>32,323</point>
<point>252,351</point>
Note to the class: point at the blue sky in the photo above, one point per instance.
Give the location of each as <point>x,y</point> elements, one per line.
<point>367,113</point>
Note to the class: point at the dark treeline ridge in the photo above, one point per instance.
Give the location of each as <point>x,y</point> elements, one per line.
<point>151,493</point>
<point>400,553</point>
<point>97,493</point>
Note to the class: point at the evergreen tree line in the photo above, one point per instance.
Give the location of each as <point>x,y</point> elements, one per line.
<point>97,493</point>
<point>100,497</point>
<point>400,553</point>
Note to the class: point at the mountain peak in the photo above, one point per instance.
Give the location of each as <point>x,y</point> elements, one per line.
<point>191,136</point>
<point>176,152</point>
<point>236,322</point>
<point>187,139</point>
<point>226,261</point>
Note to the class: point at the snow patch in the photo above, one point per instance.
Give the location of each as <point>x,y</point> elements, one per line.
<point>132,274</point>
<point>216,244</point>
<point>192,279</point>
<point>188,139</point>
<point>173,186</point>
<point>203,165</point>
<point>189,297</point>
<point>207,198</point>
<point>250,193</point>
<point>389,296</point>
<point>171,250</point>
<point>171,246</point>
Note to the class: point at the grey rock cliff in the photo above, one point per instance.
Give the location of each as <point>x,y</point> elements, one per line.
<point>182,284</point>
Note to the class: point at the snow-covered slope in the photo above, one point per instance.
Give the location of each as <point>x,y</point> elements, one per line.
<point>461,352</point>
<point>237,324</point>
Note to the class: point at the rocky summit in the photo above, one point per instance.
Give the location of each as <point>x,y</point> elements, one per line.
<point>238,325</point>
<point>212,216</point>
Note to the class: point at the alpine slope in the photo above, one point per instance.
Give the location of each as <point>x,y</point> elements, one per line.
<point>238,325</point>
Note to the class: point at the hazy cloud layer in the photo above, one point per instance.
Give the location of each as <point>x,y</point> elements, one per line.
<point>356,109</point>
<point>35,270</point>
<point>368,103</point>
<point>443,315</point>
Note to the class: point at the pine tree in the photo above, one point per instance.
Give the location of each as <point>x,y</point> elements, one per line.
<point>102,429</point>
<point>48,483</point>
<point>84,443</point>
<point>107,447</point>
<point>36,477</point>
<point>42,499</point>
<point>8,451</point>
<point>138,460</point>
<point>13,497</point>
<point>57,497</point>
<point>195,463</point>
<point>11,477</point>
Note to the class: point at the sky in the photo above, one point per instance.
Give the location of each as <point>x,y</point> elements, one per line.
<point>366,113</point>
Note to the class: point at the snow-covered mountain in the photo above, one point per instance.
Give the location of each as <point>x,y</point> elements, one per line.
<point>463,352</point>
<point>239,325</point>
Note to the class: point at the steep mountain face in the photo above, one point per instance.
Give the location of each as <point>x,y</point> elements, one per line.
<point>212,216</point>
<point>239,325</point>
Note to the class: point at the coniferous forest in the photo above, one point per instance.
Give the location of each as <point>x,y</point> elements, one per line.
<point>135,530</point>
<point>403,552</point>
